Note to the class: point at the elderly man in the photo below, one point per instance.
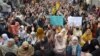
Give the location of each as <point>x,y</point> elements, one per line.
<point>25,50</point>
<point>9,47</point>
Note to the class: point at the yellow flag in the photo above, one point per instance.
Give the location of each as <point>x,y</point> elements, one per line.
<point>53,10</point>
<point>57,5</point>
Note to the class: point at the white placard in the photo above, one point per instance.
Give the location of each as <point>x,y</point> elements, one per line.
<point>75,21</point>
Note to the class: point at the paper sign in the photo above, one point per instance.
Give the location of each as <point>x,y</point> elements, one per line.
<point>75,21</point>
<point>56,20</point>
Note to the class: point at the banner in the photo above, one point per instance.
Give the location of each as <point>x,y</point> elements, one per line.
<point>75,21</point>
<point>56,20</point>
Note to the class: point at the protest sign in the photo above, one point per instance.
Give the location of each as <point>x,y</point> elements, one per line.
<point>56,20</point>
<point>75,21</point>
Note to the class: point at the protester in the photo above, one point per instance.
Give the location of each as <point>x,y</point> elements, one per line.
<point>33,25</point>
<point>5,38</point>
<point>77,32</point>
<point>25,50</point>
<point>17,41</point>
<point>14,28</point>
<point>60,44</point>
<point>74,49</point>
<point>88,34</point>
<point>40,35</point>
<point>85,50</point>
<point>10,46</point>
<point>32,39</point>
<point>22,32</point>
<point>94,45</point>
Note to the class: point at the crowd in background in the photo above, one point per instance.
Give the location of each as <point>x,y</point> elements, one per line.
<point>26,30</point>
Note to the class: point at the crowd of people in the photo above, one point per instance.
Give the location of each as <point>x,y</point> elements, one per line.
<point>26,30</point>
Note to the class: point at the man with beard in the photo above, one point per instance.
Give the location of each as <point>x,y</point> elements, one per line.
<point>25,50</point>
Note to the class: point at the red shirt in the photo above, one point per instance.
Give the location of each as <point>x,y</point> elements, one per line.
<point>14,29</point>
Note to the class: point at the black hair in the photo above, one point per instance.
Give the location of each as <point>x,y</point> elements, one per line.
<point>10,54</point>
<point>94,42</point>
<point>29,29</point>
<point>38,53</point>
<point>85,48</point>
